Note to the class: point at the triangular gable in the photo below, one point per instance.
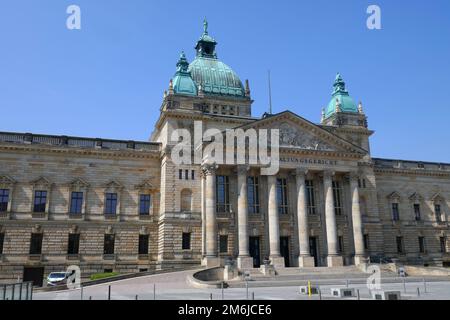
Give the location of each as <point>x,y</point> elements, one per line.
<point>415,197</point>
<point>437,197</point>
<point>146,185</point>
<point>113,185</point>
<point>41,181</point>
<point>79,183</point>
<point>297,132</point>
<point>394,196</point>
<point>6,181</point>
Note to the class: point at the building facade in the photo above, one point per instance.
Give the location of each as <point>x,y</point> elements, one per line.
<point>126,206</point>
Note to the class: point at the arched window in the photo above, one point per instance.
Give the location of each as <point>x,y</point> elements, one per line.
<point>186,200</point>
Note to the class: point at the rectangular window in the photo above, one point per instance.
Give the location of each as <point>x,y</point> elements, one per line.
<point>76,203</point>
<point>143,243</point>
<point>144,204</point>
<point>180,174</point>
<point>111,203</point>
<point>400,244</point>
<point>438,212</point>
<point>253,194</point>
<point>223,243</point>
<point>186,241</point>
<point>395,212</point>
<point>222,194</point>
<point>193,174</point>
<point>337,197</point>
<point>4,199</point>
<point>2,241</point>
<point>282,196</point>
<point>40,201</point>
<point>422,244</point>
<point>366,242</point>
<point>108,246</point>
<point>74,244</point>
<point>310,197</point>
<point>417,214</point>
<point>341,244</point>
<point>36,243</point>
<point>186,174</point>
<point>443,242</point>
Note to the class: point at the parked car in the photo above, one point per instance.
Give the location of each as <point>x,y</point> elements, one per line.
<point>57,278</point>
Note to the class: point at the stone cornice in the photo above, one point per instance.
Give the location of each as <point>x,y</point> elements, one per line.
<point>412,172</point>
<point>101,153</point>
<point>331,154</point>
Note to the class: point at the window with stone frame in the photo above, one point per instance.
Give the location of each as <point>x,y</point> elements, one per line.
<point>143,244</point>
<point>186,241</point>
<point>253,194</point>
<point>366,241</point>
<point>4,200</point>
<point>400,245</point>
<point>438,212</point>
<point>395,211</point>
<point>282,196</point>
<point>73,247</point>
<point>337,197</point>
<point>36,243</point>
<point>310,197</point>
<point>223,243</point>
<point>417,213</point>
<point>2,241</point>
<point>186,200</point>
<point>40,201</point>
<point>145,201</point>
<point>76,203</point>
<point>222,194</point>
<point>443,244</point>
<point>109,244</point>
<point>111,203</point>
<point>422,245</point>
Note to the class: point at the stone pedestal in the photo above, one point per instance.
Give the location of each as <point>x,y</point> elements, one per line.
<point>335,261</point>
<point>306,262</point>
<point>267,270</point>
<point>229,273</point>
<point>360,260</point>
<point>244,263</point>
<point>211,262</point>
<point>277,262</point>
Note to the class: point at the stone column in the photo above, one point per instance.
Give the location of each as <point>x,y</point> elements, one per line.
<point>357,221</point>
<point>211,258</point>
<point>244,260</point>
<point>333,259</point>
<point>203,215</point>
<point>274,224</point>
<point>304,259</point>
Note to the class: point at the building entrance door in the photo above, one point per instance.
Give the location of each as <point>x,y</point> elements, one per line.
<point>34,274</point>
<point>284,250</point>
<point>255,251</point>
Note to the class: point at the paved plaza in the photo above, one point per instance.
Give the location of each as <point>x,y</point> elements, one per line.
<point>174,286</point>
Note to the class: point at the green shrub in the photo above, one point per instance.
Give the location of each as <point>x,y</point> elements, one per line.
<point>98,276</point>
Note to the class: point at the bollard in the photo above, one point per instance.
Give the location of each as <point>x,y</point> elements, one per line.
<point>404,285</point>
<point>90,297</point>
<point>246,288</point>
<point>320,294</point>
<point>81,292</point>
<point>109,292</point>
<point>136,298</point>
<point>253,296</point>
<point>223,295</point>
<point>210,296</point>
<point>154,291</point>
<point>424,285</point>
<point>418,292</point>
<point>358,295</point>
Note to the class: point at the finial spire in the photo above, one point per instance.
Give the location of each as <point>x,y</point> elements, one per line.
<point>247,88</point>
<point>270,93</point>
<point>360,108</point>
<point>205,26</point>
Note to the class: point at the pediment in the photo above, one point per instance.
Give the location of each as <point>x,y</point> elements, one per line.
<point>79,183</point>
<point>146,185</point>
<point>394,196</point>
<point>41,181</point>
<point>437,197</point>
<point>299,133</point>
<point>113,185</point>
<point>6,181</point>
<point>416,197</point>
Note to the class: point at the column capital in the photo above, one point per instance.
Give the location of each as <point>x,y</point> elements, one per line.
<point>299,172</point>
<point>353,176</point>
<point>328,174</point>
<point>209,168</point>
<point>242,169</point>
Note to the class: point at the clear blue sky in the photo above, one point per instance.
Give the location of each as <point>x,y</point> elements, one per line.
<point>107,80</point>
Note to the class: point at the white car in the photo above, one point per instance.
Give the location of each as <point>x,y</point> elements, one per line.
<point>57,278</point>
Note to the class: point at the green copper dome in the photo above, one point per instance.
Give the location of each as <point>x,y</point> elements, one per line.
<point>182,81</point>
<point>340,98</point>
<point>212,75</point>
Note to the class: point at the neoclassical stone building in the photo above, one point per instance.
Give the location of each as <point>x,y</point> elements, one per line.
<point>126,206</point>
